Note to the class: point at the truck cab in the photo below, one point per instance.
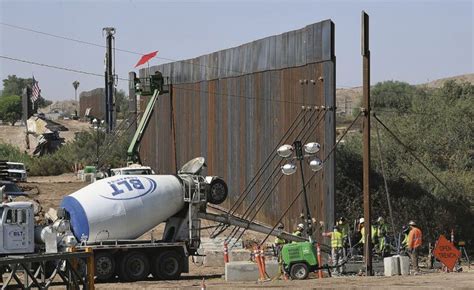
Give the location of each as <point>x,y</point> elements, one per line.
<point>133,169</point>
<point>17,171</point>
<point>16,228</point>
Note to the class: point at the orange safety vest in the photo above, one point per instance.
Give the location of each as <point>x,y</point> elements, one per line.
<point>414,238</point>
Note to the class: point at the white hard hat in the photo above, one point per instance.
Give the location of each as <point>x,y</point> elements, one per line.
<point>412,223</point>
<point>361,220</point>
<point>300,226</point>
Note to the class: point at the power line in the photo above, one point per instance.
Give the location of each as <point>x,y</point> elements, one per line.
<point>103,46</point>
<point>409,150</point>
<point>55,67</point>
<point>124,50</point>
<point>124,79</point>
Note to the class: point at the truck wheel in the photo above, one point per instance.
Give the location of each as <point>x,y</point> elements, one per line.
<point>217,191</point>
<point>168,266</point>
<point>104,266</point>
<point>299,271</point>
<point>134,267</point>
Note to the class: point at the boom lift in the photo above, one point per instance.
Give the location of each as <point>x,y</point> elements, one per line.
<point>156,86</point>
<point>153,86</point>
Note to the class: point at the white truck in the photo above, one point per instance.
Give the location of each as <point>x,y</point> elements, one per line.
<point>17,171</point>
<point>110,214</point>
<point>132,169</point>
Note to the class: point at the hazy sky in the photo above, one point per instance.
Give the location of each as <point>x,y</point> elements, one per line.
<point>413,41</point>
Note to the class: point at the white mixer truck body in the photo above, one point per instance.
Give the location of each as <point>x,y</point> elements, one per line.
<point>123,207</point>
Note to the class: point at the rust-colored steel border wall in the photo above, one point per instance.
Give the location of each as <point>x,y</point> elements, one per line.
<point>234,105</point>
<point>95,100</point>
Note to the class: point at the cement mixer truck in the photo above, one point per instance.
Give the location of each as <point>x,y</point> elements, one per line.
<point>111,214</point>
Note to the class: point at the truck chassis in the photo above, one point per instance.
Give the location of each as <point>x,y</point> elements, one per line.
<point>133,260</point>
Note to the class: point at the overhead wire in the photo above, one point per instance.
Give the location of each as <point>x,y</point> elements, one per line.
<point>117,134</point>
<point>259,173</point>
<point>103,46</point>
<point>266,163</point>
<point>379,146</point>
<point>264,190</point>
<point>261,192</point>
<point>308,182</point>
<point>409,150</point>
<point>342,137</point>
<point>124,50</point>
<point>54,66</point>
<point>174,86</point>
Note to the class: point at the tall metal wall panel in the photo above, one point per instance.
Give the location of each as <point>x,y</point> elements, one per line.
<point>233,107</point>
<point>94,99</point>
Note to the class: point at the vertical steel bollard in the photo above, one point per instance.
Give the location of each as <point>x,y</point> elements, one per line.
<point>90,269</point>
<point>226,253</point>
<point>320,272</point>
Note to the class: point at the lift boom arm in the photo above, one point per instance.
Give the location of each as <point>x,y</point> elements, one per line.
<point>133,155</point>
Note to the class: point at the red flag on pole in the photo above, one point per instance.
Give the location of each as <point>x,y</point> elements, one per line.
<point>146,57</point>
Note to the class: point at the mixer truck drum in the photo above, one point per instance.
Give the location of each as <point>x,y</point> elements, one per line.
<point>217,192</point>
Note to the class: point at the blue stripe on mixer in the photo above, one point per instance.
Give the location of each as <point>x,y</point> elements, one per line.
<point>79,221</point>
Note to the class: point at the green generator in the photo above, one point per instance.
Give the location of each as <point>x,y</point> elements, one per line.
<point>299,259</point>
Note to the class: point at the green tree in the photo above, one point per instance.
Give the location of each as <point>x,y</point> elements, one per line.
<point>42,102</point>
<point>14,85</point>
<point>10,109</point>
<point>393,95</point>
<point>121,103</point>
<point>437,126</point>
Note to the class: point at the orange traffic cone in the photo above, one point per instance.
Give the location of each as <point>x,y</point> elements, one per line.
<point>320,272</point>
<point>226,253</point>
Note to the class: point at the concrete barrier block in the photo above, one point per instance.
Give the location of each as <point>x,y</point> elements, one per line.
<point>391,266</point>
<point>404,263</point>
<point>213,258</point>
<point>239,255</point>
<point>248,271</point>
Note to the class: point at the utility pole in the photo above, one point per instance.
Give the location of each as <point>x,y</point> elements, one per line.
<point>109,78</point>
<point>366,146</point>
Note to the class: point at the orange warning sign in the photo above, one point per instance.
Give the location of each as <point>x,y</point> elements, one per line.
<point>446,252</point>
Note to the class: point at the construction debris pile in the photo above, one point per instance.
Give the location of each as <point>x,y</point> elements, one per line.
<point>46,133</point>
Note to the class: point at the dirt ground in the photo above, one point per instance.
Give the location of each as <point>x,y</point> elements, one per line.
<point>463,280</point>
<point>49,190</point>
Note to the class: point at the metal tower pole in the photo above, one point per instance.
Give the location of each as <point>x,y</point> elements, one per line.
<point>366,145</point>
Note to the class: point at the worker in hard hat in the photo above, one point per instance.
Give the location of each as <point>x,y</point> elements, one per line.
<point>373,233</point>
<point>279,242</point>
<point>345,231</point>
<point>415,239</point>
<point>381,236</point>
<point>299,230</point>
<point>404,243</point>
<point>336,249</point>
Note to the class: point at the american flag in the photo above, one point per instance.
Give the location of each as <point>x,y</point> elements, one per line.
<point>35,91</point>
